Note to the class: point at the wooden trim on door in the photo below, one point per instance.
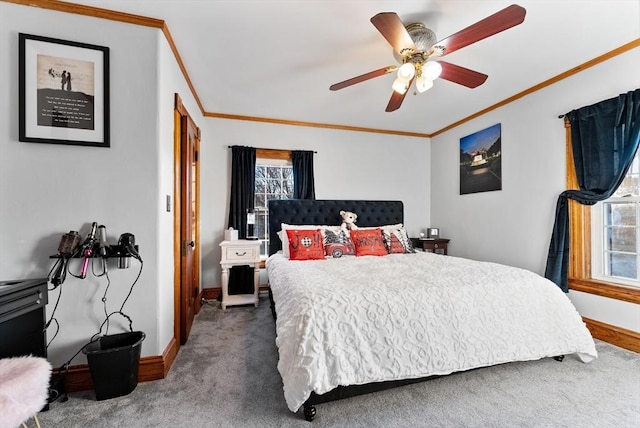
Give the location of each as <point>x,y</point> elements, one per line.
<point>177,197</point>
<point>197,222</point>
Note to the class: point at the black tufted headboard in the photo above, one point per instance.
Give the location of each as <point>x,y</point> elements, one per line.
<point>327,212</point>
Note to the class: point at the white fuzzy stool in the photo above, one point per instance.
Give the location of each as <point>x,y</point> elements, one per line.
<point>24,389</point>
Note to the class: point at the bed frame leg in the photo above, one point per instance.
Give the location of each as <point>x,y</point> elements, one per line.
<point>309,411</point>
<point>559,358</point>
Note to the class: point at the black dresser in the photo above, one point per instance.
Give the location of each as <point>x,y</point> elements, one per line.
<point>23,317</point>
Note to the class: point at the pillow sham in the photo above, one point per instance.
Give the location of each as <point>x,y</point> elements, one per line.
<point>337,243</point>
<point>305,244</point>
<point>284,240</point>
<point>397,241</point>
<point>368,242</point>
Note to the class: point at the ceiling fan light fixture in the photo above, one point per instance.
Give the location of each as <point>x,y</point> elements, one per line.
<point>423,83</point>
<point>414,44</point>
<point>406,71</point>
<point>432,69</point>
<point>400,85</point>
<point>422,37</point>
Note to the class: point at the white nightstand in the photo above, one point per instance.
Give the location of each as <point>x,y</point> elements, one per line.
<point>240,253</point>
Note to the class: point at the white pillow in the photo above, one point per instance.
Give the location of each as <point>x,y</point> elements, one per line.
<point>386,228</point>
<point>284,239</point>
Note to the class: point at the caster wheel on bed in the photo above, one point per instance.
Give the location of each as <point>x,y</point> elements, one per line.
<point>309,412</point>
<point>559,358</point>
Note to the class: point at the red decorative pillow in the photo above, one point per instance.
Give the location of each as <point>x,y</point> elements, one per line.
<point>368,242</point>
<point>337,243</point>
<point>397,241</point>
<point>305,244</point>
<point>395,246</point>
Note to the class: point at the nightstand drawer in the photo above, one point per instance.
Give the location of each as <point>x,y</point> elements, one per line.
<point>235,254</point>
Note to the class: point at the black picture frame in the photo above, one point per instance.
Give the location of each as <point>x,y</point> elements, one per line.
<point>63,92</point>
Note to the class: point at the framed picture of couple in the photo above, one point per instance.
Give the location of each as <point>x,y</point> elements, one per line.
<point>63,92</point>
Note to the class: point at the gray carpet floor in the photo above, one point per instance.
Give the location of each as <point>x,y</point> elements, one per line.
<point>226,376</point>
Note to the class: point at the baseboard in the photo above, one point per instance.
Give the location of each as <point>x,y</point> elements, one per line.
<point>212,293</point>
<point>614,335</point>
<point>78,378</point>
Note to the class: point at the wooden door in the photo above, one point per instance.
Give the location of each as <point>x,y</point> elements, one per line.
<point>189,207</point>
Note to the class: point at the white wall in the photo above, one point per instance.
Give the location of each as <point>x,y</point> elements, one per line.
<point>513,226</point>
<point>170,81</point>
<point>47,190</point>
<point>347,165</point>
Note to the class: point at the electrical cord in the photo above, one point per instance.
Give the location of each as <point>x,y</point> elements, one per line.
<point>104,300</point>
<point>134,283</point>
<point>52,318</point>
<point>106,321</point>
<point>65,367</point>
<point>104,267</point>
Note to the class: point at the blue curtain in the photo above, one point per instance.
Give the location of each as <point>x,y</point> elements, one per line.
<point>605,138</point>
<point>303,179</point>
<point>243,184</point>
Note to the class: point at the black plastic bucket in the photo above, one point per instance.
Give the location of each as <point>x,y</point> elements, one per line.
<point>113,363</point>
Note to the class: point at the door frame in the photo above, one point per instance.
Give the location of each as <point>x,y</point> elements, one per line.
<point>179,112</point>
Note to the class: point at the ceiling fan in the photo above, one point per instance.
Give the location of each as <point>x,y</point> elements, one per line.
<point>415,44</point>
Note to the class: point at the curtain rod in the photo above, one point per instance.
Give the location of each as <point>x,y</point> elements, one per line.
<point>273,149</point>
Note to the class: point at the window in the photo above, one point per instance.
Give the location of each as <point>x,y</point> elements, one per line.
<point>274,180</point>
<point>582,276</point>
<point>615,232</point>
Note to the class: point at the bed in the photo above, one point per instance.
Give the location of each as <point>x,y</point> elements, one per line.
<point>358,324</point>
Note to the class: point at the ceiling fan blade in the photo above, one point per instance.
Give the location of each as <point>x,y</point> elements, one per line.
<point>363,77</point>
<point>462,76</point>
<point>390,26</point>
<point>499,21</point>
<point>396,98</point>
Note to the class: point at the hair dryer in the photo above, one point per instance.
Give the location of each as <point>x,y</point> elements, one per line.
<point>127,244</point>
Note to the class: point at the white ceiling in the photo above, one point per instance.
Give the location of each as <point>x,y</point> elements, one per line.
<point>277,58</point>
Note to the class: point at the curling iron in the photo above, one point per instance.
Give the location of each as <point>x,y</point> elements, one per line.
<point>87,249</point>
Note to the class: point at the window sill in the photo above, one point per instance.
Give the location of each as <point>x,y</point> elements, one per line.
<point>606,289</point>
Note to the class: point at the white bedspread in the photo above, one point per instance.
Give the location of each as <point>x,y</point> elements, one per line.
<point>356,320</point>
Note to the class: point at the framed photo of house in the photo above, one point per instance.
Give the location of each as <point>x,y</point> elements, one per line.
<point>63,92</point>
<point>481,161</point>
